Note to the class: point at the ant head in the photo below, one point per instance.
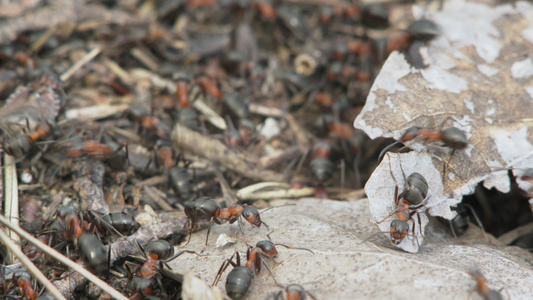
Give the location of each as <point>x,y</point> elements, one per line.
<point>423,30</point>
<point>251,215</point>
<point>398,230</point>
<point>268,247</point>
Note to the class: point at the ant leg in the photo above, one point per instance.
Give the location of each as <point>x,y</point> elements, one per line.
<point>386,149</point>
<point>267,267</point>
<point>225,265</point>
<point>208,231</point>
<point>176,256</point>
<point>143,253</point>
<point>395,211</point>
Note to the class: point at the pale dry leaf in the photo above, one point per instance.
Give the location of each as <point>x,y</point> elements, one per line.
<point>479,79</point>
<point>380,190</point>
<point>342,268</point>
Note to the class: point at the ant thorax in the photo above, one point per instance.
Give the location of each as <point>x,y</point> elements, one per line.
<point>403,187</point>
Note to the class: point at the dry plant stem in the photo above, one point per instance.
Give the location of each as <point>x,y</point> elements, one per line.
<point>193,142</point>
<point>62,259</point>
<point>11,200</point>
<point>146,234</point>
<point>152,194</point>
<point>282,156</point>
<point>15,250</point>
<point>96,112</point>
<point>300,133</point>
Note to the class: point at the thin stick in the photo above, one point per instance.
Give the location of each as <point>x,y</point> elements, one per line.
<point>66,261</point>
<point>11,199</point>
<point>88,57</point>
<point>15,250</point>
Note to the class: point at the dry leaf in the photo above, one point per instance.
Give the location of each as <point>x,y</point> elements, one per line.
<point>342,268</point>
<point>479,79</point>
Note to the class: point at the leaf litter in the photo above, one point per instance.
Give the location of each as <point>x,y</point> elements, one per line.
<point>476,81</point>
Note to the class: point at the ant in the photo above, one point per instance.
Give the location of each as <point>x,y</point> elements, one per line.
<point>122,222</point>
<point>321,166</point>
<point>294,291</point>
<point>19,145</point>
<point>159,127</point>
<point>205,208</point>
<point>91,248</point>
<point>460,223</point>
<point>451,137</point>
<point>407,204</point>
<point>111,152</point>
<point>239,280</point>
<point>160,252</point>
<point>23,280</point>
<point>482,288</point>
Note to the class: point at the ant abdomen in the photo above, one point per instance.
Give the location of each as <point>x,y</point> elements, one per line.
<point>454,138</point>
<point>417,189</point>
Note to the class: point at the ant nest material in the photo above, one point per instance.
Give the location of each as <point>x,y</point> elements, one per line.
<point>380,190</point>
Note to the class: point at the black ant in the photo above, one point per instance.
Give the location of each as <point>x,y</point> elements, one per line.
<point>321,166</point>
<point>205,208</point>
<point>239,280</point>
<point>482,287</point>
<point>160,253</point>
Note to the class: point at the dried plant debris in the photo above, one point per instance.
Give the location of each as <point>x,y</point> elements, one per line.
<point>342,266</point>
<point>478,81</point>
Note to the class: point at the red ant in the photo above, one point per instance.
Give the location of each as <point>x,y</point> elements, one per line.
<point>19,145</point>
<point>205,208</point>
<point>160,253</point>
<point>91,248</point>
<point>322,166</point>
<point>294,292</point>
<point>482,287</point>
<point>210,87</point>
<point>111,151</point>
<point>265,9</point>
<point>239,280</point>
<point>161,128</point>
<point>407,204</point>
<point>23,280</point>
<point>451,137</point>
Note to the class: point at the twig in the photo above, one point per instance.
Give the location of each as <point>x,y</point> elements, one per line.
<point>89,178</point>
<point>185,139</point>
<point>15,250</point>
<point>80,63</point>
<point>11,199</point>
<point>62,259</point>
